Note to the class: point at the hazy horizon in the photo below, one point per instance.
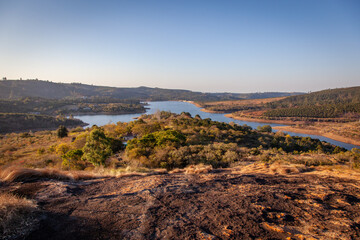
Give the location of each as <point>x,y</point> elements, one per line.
<point>206,46</point>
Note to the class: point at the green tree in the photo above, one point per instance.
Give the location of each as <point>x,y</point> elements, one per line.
<point>62,131</point>
<point>97,148</point>
<point>72,160</point>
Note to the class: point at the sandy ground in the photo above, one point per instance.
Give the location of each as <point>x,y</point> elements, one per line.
<point>239,203</point>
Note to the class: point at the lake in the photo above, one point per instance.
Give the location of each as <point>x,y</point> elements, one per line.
<point>179,107</point>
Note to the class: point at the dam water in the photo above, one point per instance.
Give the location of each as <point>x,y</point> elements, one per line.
<point>179,107</point>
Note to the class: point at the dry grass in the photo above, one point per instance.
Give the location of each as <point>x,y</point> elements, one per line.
<point>17,216</point>
<point>244,102</point>
<point>275,168</point>
<point>288,169</point>
<point>32,151</point>
<point>197,169</point>
<point>15,174</point>
<point>235,106</point>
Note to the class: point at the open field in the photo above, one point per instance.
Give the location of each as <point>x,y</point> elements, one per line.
<point>246,202</point>
<point>237,105</point>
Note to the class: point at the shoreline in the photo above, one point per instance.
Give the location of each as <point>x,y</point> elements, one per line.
<point>315,132</point>
<point>104,113</point>
<point>293,129</point>
<point>289,128</point>
<point>286,122</point>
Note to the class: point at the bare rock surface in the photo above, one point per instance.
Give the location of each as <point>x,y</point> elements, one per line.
<point>219,205</point>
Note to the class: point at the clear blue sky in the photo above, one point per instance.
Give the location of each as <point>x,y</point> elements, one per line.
<point>216,46</point>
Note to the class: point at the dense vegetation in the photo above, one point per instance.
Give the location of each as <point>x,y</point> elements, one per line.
<point>70,106</point>
<point>12,122</point>
<point>166,140</point>
<point>332,103</point>
<point>180,140</point>
<point>330,96</point>
<point>349,110</point>
<point>335,104</point>
<point>14,89</point>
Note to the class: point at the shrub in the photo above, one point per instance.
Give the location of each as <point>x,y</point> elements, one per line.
<point>97,148</point>
<point>72,160</point>
<point>62,148</point>
<point>62,131</point>
<point>265,128</point>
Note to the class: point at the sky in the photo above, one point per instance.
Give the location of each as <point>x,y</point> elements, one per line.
<point>207,46</point>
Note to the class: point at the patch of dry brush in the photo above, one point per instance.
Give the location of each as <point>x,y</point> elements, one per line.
<point>17,216</point>
<point>14,174</point>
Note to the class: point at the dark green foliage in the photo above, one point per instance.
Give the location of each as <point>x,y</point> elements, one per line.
<point>161,138</point>
<point>265,128</point>
<point>116,145</point>
<point>62,131</point>
<point>313,111</point>
<point>70,106</point>
<point>183,140</point>
<point>97,148</point>
<point>10,122</point>
<point>333,103</point>
<point>72,160</point>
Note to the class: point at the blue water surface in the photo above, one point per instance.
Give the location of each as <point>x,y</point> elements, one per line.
<point>179,107</point>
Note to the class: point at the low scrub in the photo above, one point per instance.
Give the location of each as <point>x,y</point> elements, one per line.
<point>17,216</point>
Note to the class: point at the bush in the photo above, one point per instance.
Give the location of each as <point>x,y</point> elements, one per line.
<point>97,148</point>
<point>62,131</point>
<point>62,148</point>
<point>72,160</point>
<point>265,128</point>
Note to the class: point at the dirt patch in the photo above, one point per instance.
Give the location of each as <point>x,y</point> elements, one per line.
<point>226,204</point>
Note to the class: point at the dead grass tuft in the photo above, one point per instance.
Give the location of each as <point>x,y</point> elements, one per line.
<point>14,174</point>
<point>17,216</point>
<point>275,168</point>
<point>288,169</point>
<point>196,169</point>
<point>177,170</point>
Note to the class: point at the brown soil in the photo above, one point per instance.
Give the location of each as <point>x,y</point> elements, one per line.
<point>223,204</point>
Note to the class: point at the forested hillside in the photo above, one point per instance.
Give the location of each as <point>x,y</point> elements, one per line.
<point>14,89</point>
<point>332,103</point>
<point>71,106</point>
<point>17,122</point>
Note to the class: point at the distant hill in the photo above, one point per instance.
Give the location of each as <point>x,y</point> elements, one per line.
<point>331,103</point>
<point>20,122</point>
<point>329,96</point>
<point>15,89</point>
